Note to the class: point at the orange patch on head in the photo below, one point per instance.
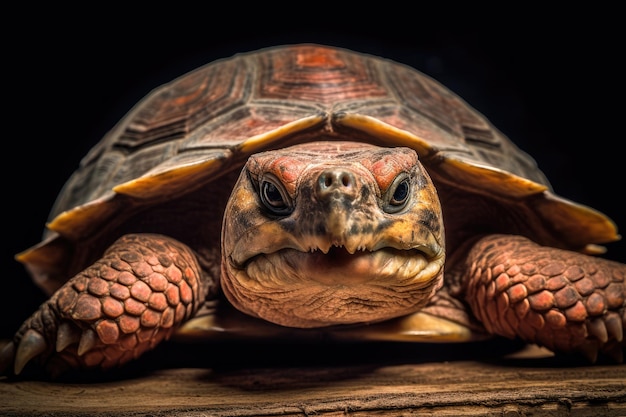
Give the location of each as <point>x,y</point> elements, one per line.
<point>384,171</point>
<point>387,168</point>
<point>287,170</point>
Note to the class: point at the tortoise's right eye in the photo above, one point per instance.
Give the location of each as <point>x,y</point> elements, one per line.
<point>274,197</point>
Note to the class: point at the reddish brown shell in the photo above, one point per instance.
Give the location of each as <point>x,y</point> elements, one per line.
<point>189,132</point>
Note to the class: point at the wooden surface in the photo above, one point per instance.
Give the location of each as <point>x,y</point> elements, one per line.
<point>324,379</point>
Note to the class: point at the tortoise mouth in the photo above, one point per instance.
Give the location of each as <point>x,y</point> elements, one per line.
<point>338,252</point>
<point>319,288</point>
<point>338,266</point>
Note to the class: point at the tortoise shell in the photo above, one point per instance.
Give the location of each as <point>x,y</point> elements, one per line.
<point>198,130</point>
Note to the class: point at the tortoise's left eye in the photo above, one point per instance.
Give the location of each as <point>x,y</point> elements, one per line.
<point>274,197</point>
<point>398,194</point>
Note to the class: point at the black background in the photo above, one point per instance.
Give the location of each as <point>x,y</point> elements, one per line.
<point>552,81</point>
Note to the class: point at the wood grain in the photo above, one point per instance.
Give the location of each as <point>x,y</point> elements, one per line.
<point>252,379</point>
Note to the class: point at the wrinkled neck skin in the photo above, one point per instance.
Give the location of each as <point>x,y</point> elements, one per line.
<point>332,233</point>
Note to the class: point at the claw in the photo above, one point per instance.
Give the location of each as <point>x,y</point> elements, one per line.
<point>66,335</point>
<point>598,329</point>
<point>87,341</point>
<point>31,345</point>
<point>614,326</point>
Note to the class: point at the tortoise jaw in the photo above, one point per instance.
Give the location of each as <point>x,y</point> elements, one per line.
<point>386,261</point>
<point>312,282</point>
<point>360,258</point>
<point>309,289</point>
<point>430,248</point>
<point>339,266</point>
<point>275,240</point>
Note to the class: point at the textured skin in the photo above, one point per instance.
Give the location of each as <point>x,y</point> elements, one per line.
<point>136,295</point>
<point>517,288</point>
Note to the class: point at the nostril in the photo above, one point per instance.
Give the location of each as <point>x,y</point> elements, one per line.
<point>333,181</point>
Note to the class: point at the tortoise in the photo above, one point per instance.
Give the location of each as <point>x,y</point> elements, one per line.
<point>302,189</point>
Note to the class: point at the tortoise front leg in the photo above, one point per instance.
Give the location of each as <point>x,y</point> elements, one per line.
<point>563,300</point>
<point>124,304</point>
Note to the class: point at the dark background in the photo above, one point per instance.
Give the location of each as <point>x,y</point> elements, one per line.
<point>552,81</point>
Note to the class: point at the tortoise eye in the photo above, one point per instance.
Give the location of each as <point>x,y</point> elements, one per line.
<point>274,197</point>
<point>398,194</point>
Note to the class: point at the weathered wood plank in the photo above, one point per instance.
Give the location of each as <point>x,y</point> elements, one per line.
<point>329,380</point>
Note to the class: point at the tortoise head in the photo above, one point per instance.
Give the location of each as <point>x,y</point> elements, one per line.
<point>332,233</point>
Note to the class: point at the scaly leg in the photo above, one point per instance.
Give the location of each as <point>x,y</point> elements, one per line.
<point>124,304</point>
<point>563,300</point>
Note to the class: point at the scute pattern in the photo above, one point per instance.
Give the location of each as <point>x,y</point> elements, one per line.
<point>180,107</point>
<point>224,103</point>
<point>328,79</point>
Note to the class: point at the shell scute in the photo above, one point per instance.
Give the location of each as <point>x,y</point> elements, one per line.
<point>305,74</point>
<point>178,108</point>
